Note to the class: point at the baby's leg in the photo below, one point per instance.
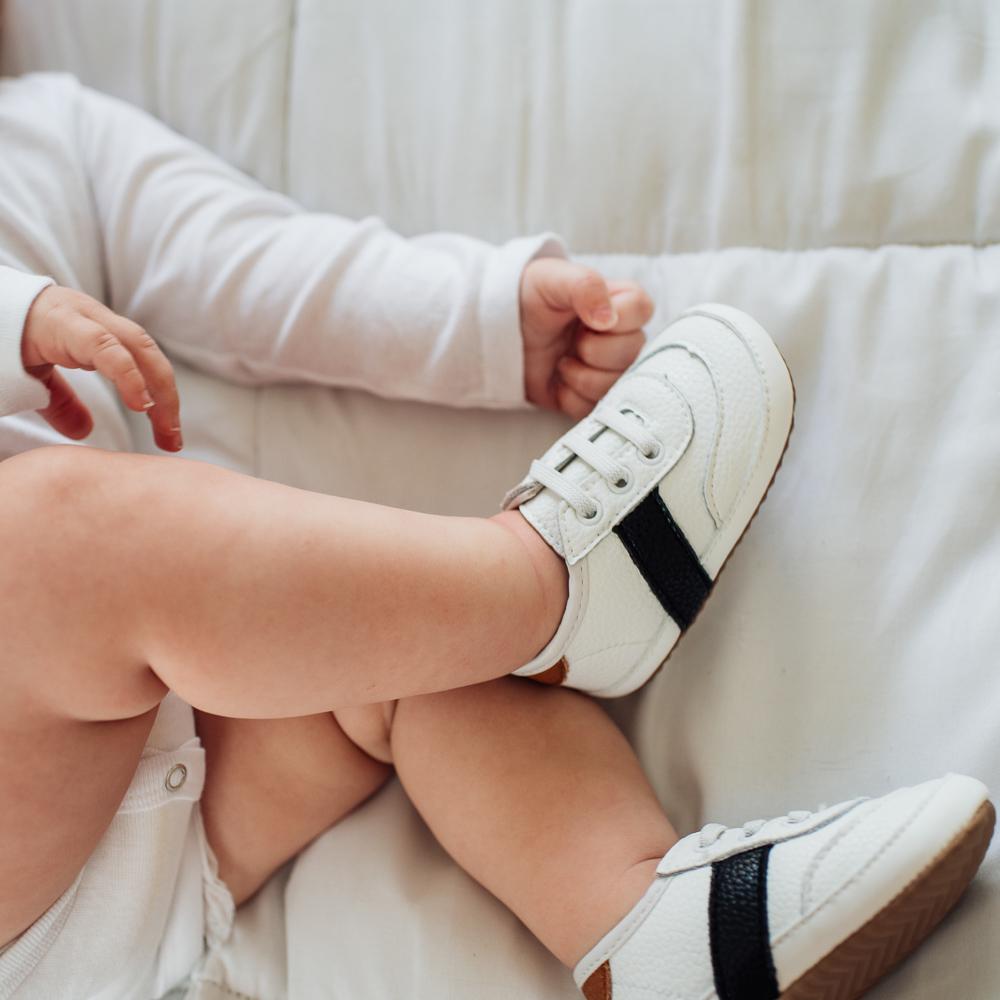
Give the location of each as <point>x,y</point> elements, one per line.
<point>123,576</point>
<point>532,790</point>
<point>272,786</point>
<point>253,599</point>
<point>62,779</point>
<point>535,793</point>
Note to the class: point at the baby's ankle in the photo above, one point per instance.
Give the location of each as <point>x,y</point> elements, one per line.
<point>548,568</point>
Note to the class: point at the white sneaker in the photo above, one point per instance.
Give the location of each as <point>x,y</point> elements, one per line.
<point>808,907</point>
<point>646,497</point>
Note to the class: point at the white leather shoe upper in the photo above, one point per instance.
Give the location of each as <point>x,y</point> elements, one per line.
<point>827,875</point>
<point>702,417</point>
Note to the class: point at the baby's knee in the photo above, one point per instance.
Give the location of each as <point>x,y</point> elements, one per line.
<point>70,499</point>
<point>65,610</point>
<point>41,479</point>
<point>39,491</point>
<point>369,727</point>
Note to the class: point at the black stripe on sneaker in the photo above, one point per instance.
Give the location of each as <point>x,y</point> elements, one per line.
<point>738,930</point>
<point>665,559</point>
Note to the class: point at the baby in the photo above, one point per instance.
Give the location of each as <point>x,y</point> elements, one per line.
<point>323,643</point>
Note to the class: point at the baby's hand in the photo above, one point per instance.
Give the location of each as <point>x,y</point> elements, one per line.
<point>72,330</point>
<point>580,333</point>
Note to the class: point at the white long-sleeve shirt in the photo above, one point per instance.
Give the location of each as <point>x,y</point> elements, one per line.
<point>229,277</point>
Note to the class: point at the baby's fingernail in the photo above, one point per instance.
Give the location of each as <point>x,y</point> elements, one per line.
<point>605,316</point>
<point>147,401</point>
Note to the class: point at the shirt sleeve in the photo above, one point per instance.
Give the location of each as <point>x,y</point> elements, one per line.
<point>242,282</point>
<point>18,390</point>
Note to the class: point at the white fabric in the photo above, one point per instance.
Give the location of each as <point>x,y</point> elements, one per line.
<point>134,922</point>
<point>833,171</point>
<point>18,390</point>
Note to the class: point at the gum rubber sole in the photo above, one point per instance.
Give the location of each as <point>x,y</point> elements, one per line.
<point>859,961</point>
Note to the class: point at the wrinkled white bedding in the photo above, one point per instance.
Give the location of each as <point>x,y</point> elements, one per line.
<point>834,170</point>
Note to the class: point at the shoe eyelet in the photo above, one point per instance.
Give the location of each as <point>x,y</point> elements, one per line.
<point>595,514</point>
<point>622,485</point>
<point>652,457</point>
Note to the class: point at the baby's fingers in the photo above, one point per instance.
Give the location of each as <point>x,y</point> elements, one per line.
<point>158,378</point>
<point>65,412</point>
<point>590,383</point>
<point>591,300</point>
<point>612,353</point>
<point>633,305</point>
<point>91,345</point>
<point>571,402</point>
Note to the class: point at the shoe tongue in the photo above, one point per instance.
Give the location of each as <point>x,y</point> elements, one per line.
<point>539,504</point>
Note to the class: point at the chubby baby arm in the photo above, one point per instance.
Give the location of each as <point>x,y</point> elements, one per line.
<point>243,282</point>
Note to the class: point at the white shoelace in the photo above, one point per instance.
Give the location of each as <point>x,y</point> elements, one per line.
<point>618,477</point>
<point>711,832</point>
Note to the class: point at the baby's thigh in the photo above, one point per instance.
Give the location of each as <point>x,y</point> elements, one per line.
<point>62,775</point>
<point>274,785</point>
<point>61,782</point>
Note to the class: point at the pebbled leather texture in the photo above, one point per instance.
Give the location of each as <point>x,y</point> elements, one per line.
<point>823,886</point>
<point>717,373</point>
<point>658,406</point>
<point>618,626</point>
<point>764,908</point>
<point>738,928</point>
<point>704,389</point>
<point>665,558</point>
<point>688,853</point>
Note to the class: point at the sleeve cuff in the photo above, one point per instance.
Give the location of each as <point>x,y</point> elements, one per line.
<point>18,390</point>
<point>500,317</point>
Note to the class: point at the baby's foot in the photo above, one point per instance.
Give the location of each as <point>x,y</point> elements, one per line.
<point>809,906</point>
<point>646,498</point>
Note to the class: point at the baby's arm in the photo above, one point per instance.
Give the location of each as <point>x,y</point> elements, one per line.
<point>18,390</point>
<point>242,282</point>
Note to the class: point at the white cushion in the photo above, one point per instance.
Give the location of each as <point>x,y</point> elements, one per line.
<point>849,647</point>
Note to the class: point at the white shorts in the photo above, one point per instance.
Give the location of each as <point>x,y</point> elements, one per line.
<point>138,918</point>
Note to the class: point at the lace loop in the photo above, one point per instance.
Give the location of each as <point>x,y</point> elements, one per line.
<point>711,833</point>
<point>554,480</point>
<point>627,425</point>
<point>598,460</point>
